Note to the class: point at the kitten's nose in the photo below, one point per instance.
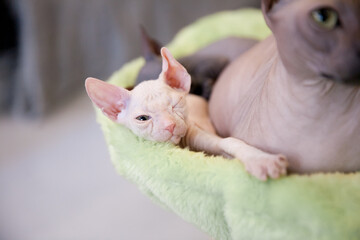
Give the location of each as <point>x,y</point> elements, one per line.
<point>170,128</point>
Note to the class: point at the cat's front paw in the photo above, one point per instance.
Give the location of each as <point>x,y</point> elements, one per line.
<point>266,165</point>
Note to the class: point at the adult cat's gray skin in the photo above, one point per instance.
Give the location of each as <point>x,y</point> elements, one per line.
<point>204,66</point>
<point>297,92</point>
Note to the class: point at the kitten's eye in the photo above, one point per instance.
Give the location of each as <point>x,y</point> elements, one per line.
<point>143,118</point>
<point>326,18</point>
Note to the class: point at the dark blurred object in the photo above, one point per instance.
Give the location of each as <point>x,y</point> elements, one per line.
<point>8,39</point>
<point>8,48</point>
<point>61,42</point>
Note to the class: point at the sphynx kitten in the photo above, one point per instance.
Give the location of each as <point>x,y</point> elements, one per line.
<point>297,92</point>
<point>162,110</point>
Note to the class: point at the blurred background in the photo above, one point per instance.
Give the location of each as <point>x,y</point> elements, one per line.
<point>56,178</point>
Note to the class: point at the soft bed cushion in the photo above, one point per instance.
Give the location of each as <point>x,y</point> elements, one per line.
<point>216,194</point>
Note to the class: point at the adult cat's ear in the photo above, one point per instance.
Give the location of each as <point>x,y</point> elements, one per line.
<point>173,73</point>
<point>266,7</point>
<point>111,99</point>
<point>150,47</point>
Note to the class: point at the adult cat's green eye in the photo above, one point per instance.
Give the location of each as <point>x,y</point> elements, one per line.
<point>326,18</point>
<point>143,118</point>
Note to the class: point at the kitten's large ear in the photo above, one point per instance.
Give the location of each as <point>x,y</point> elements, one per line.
<point>266,7</point>
<point>111,99</point>
<point>173,73</point>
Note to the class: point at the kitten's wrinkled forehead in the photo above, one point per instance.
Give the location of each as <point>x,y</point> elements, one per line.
<point>150,89</point>
<point>154,92</point>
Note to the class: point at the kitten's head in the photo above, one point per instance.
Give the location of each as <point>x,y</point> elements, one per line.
<point>154,109</point>
<point>317,38</point>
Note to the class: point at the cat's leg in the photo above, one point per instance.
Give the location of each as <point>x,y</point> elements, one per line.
<point>198,113</point>
<point>258,163</point>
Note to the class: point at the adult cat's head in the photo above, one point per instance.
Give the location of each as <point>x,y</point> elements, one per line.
<point>154,109</point>
<point>317,38</point>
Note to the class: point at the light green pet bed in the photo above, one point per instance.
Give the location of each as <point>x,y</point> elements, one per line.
<point>217,194</point>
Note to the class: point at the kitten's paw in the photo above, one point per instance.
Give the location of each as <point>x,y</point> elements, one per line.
<point>265,165</point>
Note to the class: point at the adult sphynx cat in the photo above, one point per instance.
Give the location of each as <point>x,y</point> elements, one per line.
<point>297,92</point>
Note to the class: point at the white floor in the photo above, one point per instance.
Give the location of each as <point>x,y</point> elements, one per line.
<point>57,182</point>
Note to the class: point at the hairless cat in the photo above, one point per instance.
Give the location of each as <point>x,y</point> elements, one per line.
<point>162,110</point>
<point>297,92</point>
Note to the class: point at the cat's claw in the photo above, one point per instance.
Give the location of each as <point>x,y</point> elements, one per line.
<point>265,165</point>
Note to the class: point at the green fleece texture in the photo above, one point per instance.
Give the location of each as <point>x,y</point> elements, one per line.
<point>216,194</point>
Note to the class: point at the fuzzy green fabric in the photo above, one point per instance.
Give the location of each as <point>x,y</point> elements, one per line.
<point>217,194</point>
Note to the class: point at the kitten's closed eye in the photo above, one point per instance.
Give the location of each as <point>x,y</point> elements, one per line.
<point>179,103</point>
<point>143,118</point>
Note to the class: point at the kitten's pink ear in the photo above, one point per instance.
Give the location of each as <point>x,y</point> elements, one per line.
<point>111,99</point>
<point>173,73</point>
